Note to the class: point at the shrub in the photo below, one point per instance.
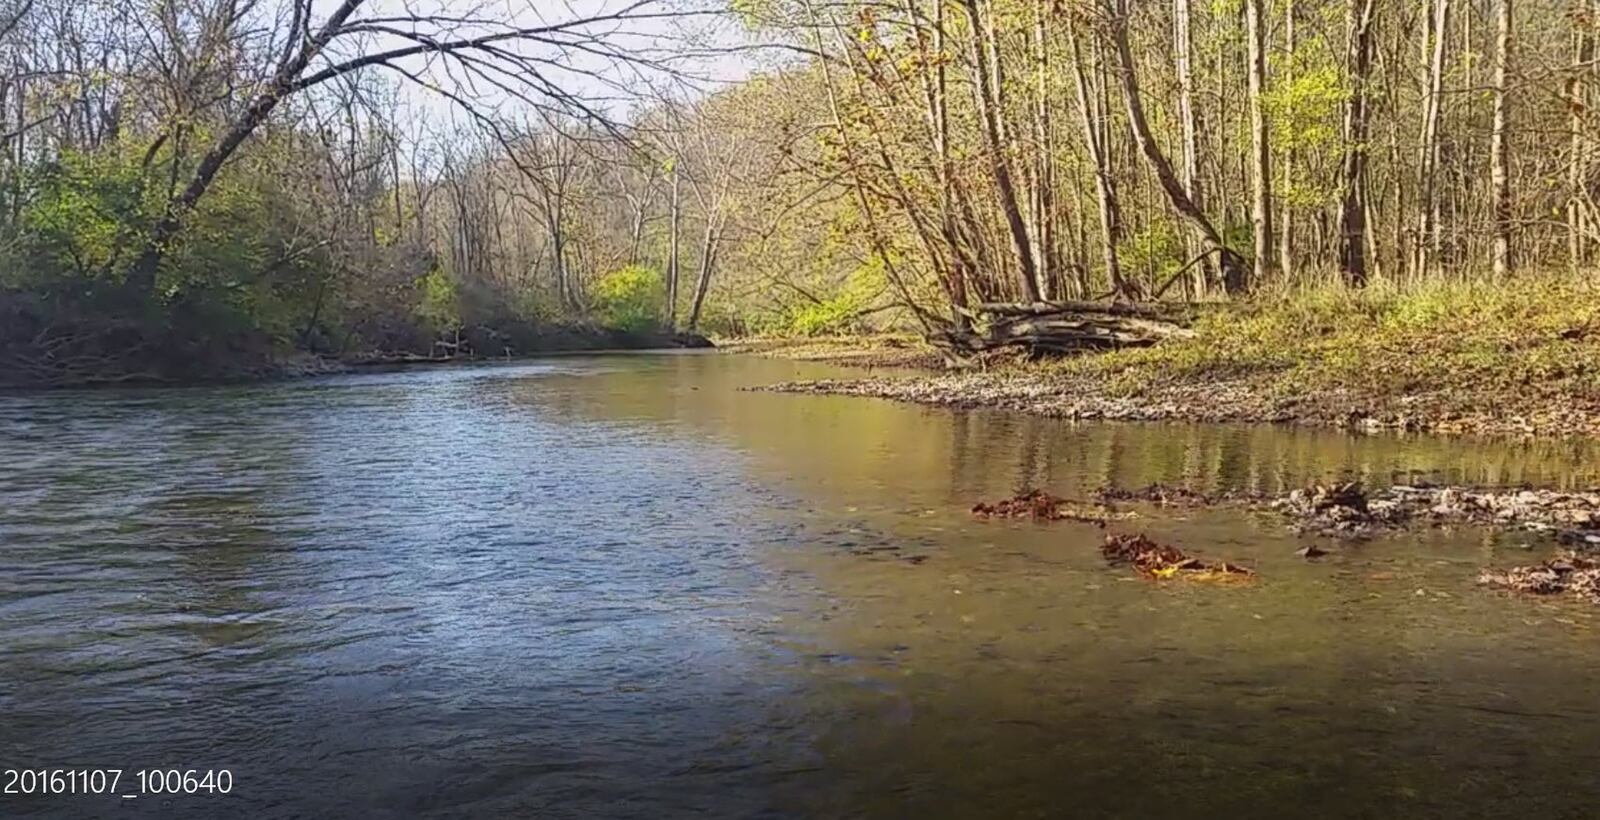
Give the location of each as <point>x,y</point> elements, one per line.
<point>632,299</point>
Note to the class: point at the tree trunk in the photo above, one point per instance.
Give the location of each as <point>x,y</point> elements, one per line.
<point>1044,197</point>
<point>1427,238</point>
<point>1105,184</point>
<point>1183,42</point>
<point>702,284</point>
<point>672,250</point>
<point>1578,164</point>
<point>990,110</point>
<point>1260,145</point>
<point>1353,206</point>
<point>558,247</point>
<point>938,109</point>
<point>1500,150</point>
<point>1234,275</point>
<point>1286,237</point>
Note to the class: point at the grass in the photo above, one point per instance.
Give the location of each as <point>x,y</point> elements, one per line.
<point>1534,337</point>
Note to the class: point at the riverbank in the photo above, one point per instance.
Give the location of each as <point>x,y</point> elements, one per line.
<point>879,351</point>
<point>1508,360</point>
<point>131,355</point>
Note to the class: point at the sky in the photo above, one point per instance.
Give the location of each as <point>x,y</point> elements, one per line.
<point>624,48</point>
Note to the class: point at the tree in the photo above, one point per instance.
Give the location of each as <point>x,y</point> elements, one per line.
<point>1356,133</point>
<point>1094,137</point>
<point>989,93</point>
<point>1235,279</point>
<point>1427,238</point>
<point>489,54</point>
<point>1260,145</point>
<point>1500,152</point>
<point>1183,48</point>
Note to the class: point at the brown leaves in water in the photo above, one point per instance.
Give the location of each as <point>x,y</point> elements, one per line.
<point>1567,572</point>
<point>1041,506</point>
<point>1148,557</point>
<point>1164,560</point>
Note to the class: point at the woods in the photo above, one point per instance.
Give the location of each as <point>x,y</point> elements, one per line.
<point>255,177</point>
<point>1290,143</point>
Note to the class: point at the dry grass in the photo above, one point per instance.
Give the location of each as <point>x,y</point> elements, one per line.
<point>1537,336</point>
<point>1516,358</point>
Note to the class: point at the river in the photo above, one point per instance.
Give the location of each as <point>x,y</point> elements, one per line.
<point>618,586</point>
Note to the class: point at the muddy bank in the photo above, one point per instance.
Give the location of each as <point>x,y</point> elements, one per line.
<point>570,339</point>
<point>105,360</point>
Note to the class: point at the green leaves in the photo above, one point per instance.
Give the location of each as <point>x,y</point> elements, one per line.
<point>632,298</point>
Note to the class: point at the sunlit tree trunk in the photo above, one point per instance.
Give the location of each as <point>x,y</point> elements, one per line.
<point>1044,195</point>
<point>1183,48</point>
<point>1578,95</point>
<point>708,263</point>
<point>1286,237</point>
<point>988,92</point>
<point>1427,235</point>
<point>1105,186</point>
<point>1235,277</point>
<point>1500,150</point>
<point>1260,144</point>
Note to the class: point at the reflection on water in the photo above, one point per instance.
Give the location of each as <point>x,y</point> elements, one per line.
<point>619,586</point>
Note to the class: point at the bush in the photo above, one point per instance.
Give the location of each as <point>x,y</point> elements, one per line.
<point>843,311</point>
<point>632,299</point>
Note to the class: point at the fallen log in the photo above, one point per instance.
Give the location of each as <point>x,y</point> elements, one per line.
<point>1149,310</point>
<point>1043,328</point>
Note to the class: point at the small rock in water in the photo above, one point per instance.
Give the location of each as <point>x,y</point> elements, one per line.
<point>1311,551</point>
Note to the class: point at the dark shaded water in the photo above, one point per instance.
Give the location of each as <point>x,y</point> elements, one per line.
<point>616,586</point>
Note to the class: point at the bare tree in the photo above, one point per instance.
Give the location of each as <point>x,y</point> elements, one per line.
<point>1094,118</point>
<point>1235,279</point>
<point>989,91</point>
<point>502,55</point>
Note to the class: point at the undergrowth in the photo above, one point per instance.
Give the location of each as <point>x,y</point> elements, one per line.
<point>1530,337</point>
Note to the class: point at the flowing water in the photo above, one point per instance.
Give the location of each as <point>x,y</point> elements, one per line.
<point>618,586</point>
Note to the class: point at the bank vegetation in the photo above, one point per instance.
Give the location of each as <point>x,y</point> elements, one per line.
<point>227,181</point>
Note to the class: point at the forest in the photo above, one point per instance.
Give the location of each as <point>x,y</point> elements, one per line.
<point>201,188</point>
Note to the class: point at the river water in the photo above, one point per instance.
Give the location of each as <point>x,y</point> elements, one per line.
<point>618,586</point>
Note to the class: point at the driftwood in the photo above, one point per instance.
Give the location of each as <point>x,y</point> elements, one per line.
<point>1066,327</point>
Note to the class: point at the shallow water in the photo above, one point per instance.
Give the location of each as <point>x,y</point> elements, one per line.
<point>618,586</point>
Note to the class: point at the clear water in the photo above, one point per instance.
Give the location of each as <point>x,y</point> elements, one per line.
<point>618,586</point>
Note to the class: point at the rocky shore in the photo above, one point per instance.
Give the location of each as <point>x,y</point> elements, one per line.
<point>868,352</point>
<point>1064,394</point>
<point>1518,361</point>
